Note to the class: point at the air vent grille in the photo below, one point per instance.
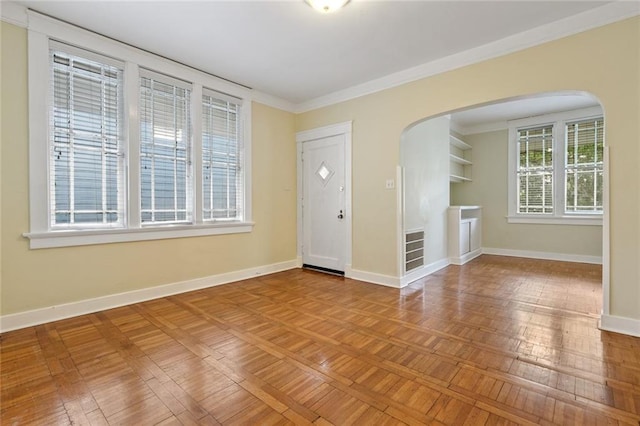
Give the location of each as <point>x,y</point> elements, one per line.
<point>413,250</point>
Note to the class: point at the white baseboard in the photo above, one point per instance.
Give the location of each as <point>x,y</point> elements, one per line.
<point>597,260</point>
<point>424,271</point>
<point>395,282</point>
<point>622,325</point>
<point>465,257</point>
<point>68,310</point>
<point>371,277</point>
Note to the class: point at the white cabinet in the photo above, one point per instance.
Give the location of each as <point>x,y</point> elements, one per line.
<point>464,233</point>
<point>465,237</point>
<point>474,234</point>
<point>459,160</point>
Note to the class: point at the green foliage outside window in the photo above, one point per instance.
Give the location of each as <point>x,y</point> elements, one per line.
<point>535,170</point>
<point>584,171</point>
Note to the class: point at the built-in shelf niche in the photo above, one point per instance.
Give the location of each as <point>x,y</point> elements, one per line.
<point>459,160</point>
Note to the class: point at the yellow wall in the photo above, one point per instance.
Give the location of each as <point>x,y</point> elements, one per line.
<point>489,189</point>
<point>40,278</point>
<point>604,61</point>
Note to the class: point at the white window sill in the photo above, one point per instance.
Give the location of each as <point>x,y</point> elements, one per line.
<point>75,237</point>
<point>557,220</point>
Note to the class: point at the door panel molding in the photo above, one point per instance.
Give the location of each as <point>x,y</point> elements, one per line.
<point>338,129</point>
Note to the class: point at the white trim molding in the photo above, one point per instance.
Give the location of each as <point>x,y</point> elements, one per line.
<point>422,272</point>
<point>400,235</point>
<point>338,129</point>
<point>606,239</point>
<point>557,220</point>
<point>467,257</point>
<point>14,13</point>
<point>58,312</point>
<point>272,101</point>
<point>483,128</point>
<point>324,132</point>
<point>82,238</point>
<point>558,121</point>
<point>372,277</point>
<point>593,18</point>
<point>622,325</point>
<point>46,33</point>
<point>563,257</point>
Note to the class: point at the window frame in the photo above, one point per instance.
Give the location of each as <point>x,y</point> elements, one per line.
<point>545,169</point>
<point>559,215</point>
<point>65,49</point>
<point>578,168</point>
<point>155,78</point>
<point>41,31</point>
<point>239,164</point>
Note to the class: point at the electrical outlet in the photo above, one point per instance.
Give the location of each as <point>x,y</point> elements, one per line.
<point>390,184</point>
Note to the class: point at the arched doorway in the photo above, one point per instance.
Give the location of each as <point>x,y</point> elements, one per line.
<point>564,223</point>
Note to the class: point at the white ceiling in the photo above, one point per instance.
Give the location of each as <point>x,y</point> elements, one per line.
<point>288,50</point>
<point>497,115</point>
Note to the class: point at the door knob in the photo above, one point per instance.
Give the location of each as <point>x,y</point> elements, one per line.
<point>340,215</point>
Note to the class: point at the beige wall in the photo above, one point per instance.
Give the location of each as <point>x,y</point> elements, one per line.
<point>424,157</point>
<point>604,61</point>
<point>489,190</point>
<point>40,278</point>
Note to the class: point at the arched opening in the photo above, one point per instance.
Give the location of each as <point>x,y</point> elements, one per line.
<point>536,165</point>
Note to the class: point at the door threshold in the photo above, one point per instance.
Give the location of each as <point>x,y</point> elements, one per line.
<point>322,269</point>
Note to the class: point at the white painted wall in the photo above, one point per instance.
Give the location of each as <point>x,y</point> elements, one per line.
<point>424,157</point>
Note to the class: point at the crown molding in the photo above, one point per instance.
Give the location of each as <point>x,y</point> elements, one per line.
<point>14,13</point>
<point>272,101</point>
<point>483,128</point>
<point>597,17</point>
<point>494,126</point>
<point>17,14</point>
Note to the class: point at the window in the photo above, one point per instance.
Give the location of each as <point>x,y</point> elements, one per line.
<point>584,166</point>
<point>535,170</point>
<point>557,165</point>
<point>133,148</point>
<point>86,134</point>
<point>221,163</point>
<point>165,147</point>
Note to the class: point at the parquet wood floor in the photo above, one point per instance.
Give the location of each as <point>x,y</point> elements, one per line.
<point>497,341</point>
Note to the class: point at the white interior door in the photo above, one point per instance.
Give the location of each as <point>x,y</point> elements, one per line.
<point>323,203</point>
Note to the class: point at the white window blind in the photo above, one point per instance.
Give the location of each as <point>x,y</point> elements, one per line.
<point>115,134</point>
<point>165,150</point>
<point>584,166</point>
<point>221,157</point>
<point>86,158</point>
<point>535,170</point>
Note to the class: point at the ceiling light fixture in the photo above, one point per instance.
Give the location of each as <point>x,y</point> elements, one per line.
<point>326,6</point>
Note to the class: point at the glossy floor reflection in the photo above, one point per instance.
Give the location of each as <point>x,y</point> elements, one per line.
<point>497,341</point>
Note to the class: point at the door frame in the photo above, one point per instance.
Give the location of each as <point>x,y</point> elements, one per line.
<point>338,129</point>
